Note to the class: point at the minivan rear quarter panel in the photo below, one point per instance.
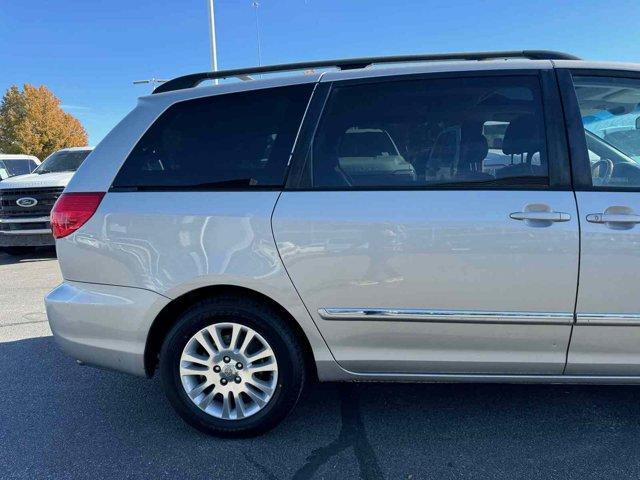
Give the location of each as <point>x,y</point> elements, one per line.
<point>177,242</point>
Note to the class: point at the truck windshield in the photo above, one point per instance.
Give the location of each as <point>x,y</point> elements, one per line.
<point>17,166</point>
<point>63,161</point>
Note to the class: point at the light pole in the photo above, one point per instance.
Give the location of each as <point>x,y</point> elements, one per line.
<point>255,4</point>
<point>212,37</point>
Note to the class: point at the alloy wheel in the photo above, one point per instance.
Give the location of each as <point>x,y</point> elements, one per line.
<point>229,371</point>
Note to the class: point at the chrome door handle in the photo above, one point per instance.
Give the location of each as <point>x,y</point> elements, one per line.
<point>541,216</point>
<point>613,218</point>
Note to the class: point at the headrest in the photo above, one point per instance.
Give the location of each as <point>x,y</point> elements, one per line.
<point>474,148</point>
<point>522,136</point>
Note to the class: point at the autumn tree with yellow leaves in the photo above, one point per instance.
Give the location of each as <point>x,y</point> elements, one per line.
<point>32,122</point>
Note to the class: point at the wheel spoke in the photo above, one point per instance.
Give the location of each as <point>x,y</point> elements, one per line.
<point>226,406</point>
<point>260,385</point>
<point>206,401</point>
<point>264,367</point>
<point>215,336</point>
<point>235,332</point>
<point>206,344</point>
<point>195,358</point>
<point>195,393</point>
<point>264,353</point>
<point>240,406</point>
<point>255,397</point>
<point>193,370</point>
<point>247,341</point>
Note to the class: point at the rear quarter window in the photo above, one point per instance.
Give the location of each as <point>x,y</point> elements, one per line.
<point>239,140</point>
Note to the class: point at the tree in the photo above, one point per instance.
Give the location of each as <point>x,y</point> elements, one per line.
<point>32,122</point>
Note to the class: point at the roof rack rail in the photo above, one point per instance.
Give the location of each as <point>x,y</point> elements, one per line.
<point>194,79</point>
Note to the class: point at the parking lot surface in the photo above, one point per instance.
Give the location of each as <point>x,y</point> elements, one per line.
<point>59,420</point>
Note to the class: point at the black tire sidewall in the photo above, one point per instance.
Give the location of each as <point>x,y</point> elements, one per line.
<point>271,328</point>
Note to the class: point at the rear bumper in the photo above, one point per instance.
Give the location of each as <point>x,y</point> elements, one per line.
<point>103,325</point>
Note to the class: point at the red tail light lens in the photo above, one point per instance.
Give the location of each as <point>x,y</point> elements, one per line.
<point>72,210</point>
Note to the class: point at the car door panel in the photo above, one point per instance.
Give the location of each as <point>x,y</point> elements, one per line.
<point>602,118</point>
<point>606,338</point>
<point>423,254</point>
<point>490,294</point>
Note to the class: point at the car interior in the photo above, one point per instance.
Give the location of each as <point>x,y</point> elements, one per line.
<point>421,136</point>
<point>610,109</point>
<point>192,143</point>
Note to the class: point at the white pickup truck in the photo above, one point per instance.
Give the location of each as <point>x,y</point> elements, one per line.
<point>26,200</point>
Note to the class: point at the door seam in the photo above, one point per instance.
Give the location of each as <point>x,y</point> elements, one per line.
<point>295,289</point>
<point>575,304</point>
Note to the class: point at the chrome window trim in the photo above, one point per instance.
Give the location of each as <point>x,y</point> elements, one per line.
<point>295,140</point>
<point>454,316</point>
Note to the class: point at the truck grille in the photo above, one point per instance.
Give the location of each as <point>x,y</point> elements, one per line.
<point>46,197</point>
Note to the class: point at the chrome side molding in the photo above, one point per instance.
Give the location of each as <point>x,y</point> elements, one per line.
<point>457,316</point>
<point>611,319</point>
<point>472,316</point>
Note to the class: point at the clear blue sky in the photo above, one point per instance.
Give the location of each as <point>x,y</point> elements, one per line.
<point>89,52</point>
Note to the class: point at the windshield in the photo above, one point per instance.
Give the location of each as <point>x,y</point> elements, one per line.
<point>18,166</point>
<point>599,149</point>
<point>626,140</point>
<point>610,109</point>
<point>63,161</point>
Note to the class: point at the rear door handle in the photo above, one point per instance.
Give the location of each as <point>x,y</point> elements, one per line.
<point>615,217</point>
<point>541,216</point>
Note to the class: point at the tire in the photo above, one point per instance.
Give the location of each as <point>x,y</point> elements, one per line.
<point>215,315</point>
<point>17,251</point>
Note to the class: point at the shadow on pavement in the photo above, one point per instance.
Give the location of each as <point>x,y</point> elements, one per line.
<point>64,421</point>
<point>37,254</point>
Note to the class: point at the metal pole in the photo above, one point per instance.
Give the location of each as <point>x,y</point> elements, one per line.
<point>212,36</point>
<point>255,5</point>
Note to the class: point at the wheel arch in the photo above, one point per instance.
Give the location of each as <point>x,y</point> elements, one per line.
<point>168,315</point>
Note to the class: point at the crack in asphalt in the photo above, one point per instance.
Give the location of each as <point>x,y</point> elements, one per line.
<point>352,435</point>
<point>261,468</point>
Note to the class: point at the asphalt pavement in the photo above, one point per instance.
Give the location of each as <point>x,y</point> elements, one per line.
<point>60,420</point>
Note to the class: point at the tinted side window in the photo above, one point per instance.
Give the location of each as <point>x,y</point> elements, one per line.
<point>610,109</point>
<point>483,130</point>
<point>236,140</point>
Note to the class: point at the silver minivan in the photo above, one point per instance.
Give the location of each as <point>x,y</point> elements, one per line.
<point>432,218</point>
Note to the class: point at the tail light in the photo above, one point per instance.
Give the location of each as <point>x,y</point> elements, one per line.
<point>72,210</point>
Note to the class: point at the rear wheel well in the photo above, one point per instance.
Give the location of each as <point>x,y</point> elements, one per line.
<point>169,314</point>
